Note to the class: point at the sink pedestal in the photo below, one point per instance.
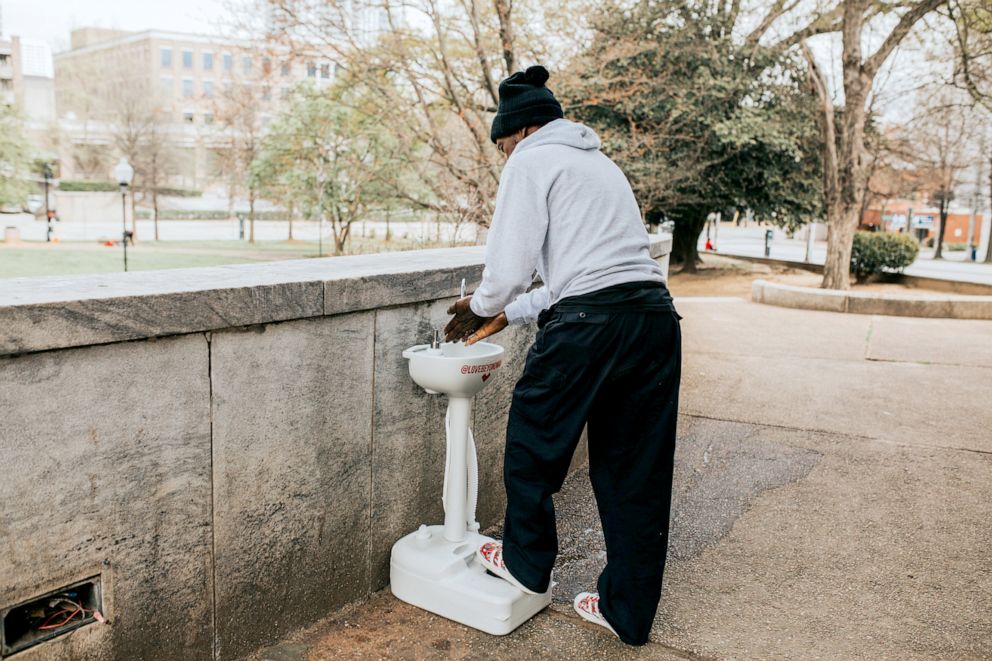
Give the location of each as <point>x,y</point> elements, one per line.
<point>435,568</point>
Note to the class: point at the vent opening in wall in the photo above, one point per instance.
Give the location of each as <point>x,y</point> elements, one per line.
<point>51,615</point>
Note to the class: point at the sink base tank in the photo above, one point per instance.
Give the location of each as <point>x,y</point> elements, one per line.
<point>443,577</point>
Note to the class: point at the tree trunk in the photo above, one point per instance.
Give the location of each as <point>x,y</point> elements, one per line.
<point>251,218</point>
<point>685,238</point>
<point>504,9</point>
<point>841,224</point>
<point>155,211</point>
<point>988,245</point>
<point>291,210</point>
<point>939,241</point>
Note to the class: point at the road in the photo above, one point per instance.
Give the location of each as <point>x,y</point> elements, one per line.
<point>750,241</point>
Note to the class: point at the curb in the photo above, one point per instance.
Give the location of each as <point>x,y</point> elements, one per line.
<point>968,287</point>
<point>898,305</point>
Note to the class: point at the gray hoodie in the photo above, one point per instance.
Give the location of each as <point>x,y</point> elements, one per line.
<point>567,210</point>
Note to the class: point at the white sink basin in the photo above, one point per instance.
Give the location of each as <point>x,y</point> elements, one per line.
<point>455,370</point>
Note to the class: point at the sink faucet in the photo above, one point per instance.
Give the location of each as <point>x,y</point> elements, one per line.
<point>436,340</point>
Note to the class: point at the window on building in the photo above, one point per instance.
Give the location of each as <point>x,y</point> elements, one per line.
<point>208,61</point>
<point>266,94</point>
<point>188,88</point>
<point>208,89</point>
<point>325,71</point>
<point>246,64</point>
<point>208,118</point>
<point>266,66</point>
<point>284,69</point>
<point>166,86</point>
<point>228,61</point>
<point>188,117</point>
<point>165,55</point>
<point>311,70</point>
<point>187,59</point>
<point>284,94</point>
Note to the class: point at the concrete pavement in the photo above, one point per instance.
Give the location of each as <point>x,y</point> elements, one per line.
<point>832,500</point>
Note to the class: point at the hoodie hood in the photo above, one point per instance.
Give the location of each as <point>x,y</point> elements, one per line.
<point>560,132</point>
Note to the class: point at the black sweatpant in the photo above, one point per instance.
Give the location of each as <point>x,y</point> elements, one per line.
<point>616,367</point>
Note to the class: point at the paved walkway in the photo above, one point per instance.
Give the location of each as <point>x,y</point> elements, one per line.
<point>833,499</point>
<point>750,242</point>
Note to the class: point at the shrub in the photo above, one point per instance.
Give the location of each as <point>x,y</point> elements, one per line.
<point>875,252</point>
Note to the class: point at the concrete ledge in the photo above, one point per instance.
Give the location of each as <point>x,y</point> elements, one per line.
<point>40,314</point>
<point>898,305</point>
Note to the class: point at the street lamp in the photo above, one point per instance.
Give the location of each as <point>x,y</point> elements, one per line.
<point>46,172</point>
<point>124,174</point>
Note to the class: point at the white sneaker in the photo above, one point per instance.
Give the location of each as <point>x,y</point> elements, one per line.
<point>586,604</point>
<point>490,556</point>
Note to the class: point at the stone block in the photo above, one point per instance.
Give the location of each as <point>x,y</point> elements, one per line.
<point>106,457</point>
<point>805,298</point>
<point>899,306</point>
<point>971,307</point>
<point>38,314</point>
<point>292,412</point>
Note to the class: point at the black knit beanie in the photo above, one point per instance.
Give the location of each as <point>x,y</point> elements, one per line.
<point>524,101</point>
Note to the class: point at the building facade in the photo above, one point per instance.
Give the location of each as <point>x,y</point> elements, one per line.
<point>26,79</point>
<point>112,83</point>
<point>925,220</point>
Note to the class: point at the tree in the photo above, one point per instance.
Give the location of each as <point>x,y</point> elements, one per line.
<point>15,161</point>
<point>241,131</point>
<point>331,155</point>
<point>432,71</point>
<point>155,160</point>
<point>699,122</point>
<point>843,126</point>
<point>973,48</point>
<point>135,120</point>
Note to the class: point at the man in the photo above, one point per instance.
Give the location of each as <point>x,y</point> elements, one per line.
<point>607,355</point>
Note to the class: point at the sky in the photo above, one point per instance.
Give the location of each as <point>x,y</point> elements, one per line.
<point>52,20</point>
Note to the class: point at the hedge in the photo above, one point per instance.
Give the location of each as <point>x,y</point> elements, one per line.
<point>184,214</point>
<point>77,186</point>
<point>875,252</point>
<point>81,186</point>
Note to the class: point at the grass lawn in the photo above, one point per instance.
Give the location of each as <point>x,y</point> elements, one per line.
<point>71,258</point>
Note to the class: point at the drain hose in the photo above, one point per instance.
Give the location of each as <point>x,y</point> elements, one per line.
<point>472,470</point>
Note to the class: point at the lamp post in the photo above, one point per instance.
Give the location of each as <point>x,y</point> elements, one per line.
<point>46,172</point>
<point>124,174</point>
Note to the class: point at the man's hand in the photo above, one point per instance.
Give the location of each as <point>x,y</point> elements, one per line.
<point>492,326</point>
<point>468,326</point>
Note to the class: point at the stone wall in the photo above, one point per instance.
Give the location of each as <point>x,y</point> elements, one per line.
<point>231,450</point>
